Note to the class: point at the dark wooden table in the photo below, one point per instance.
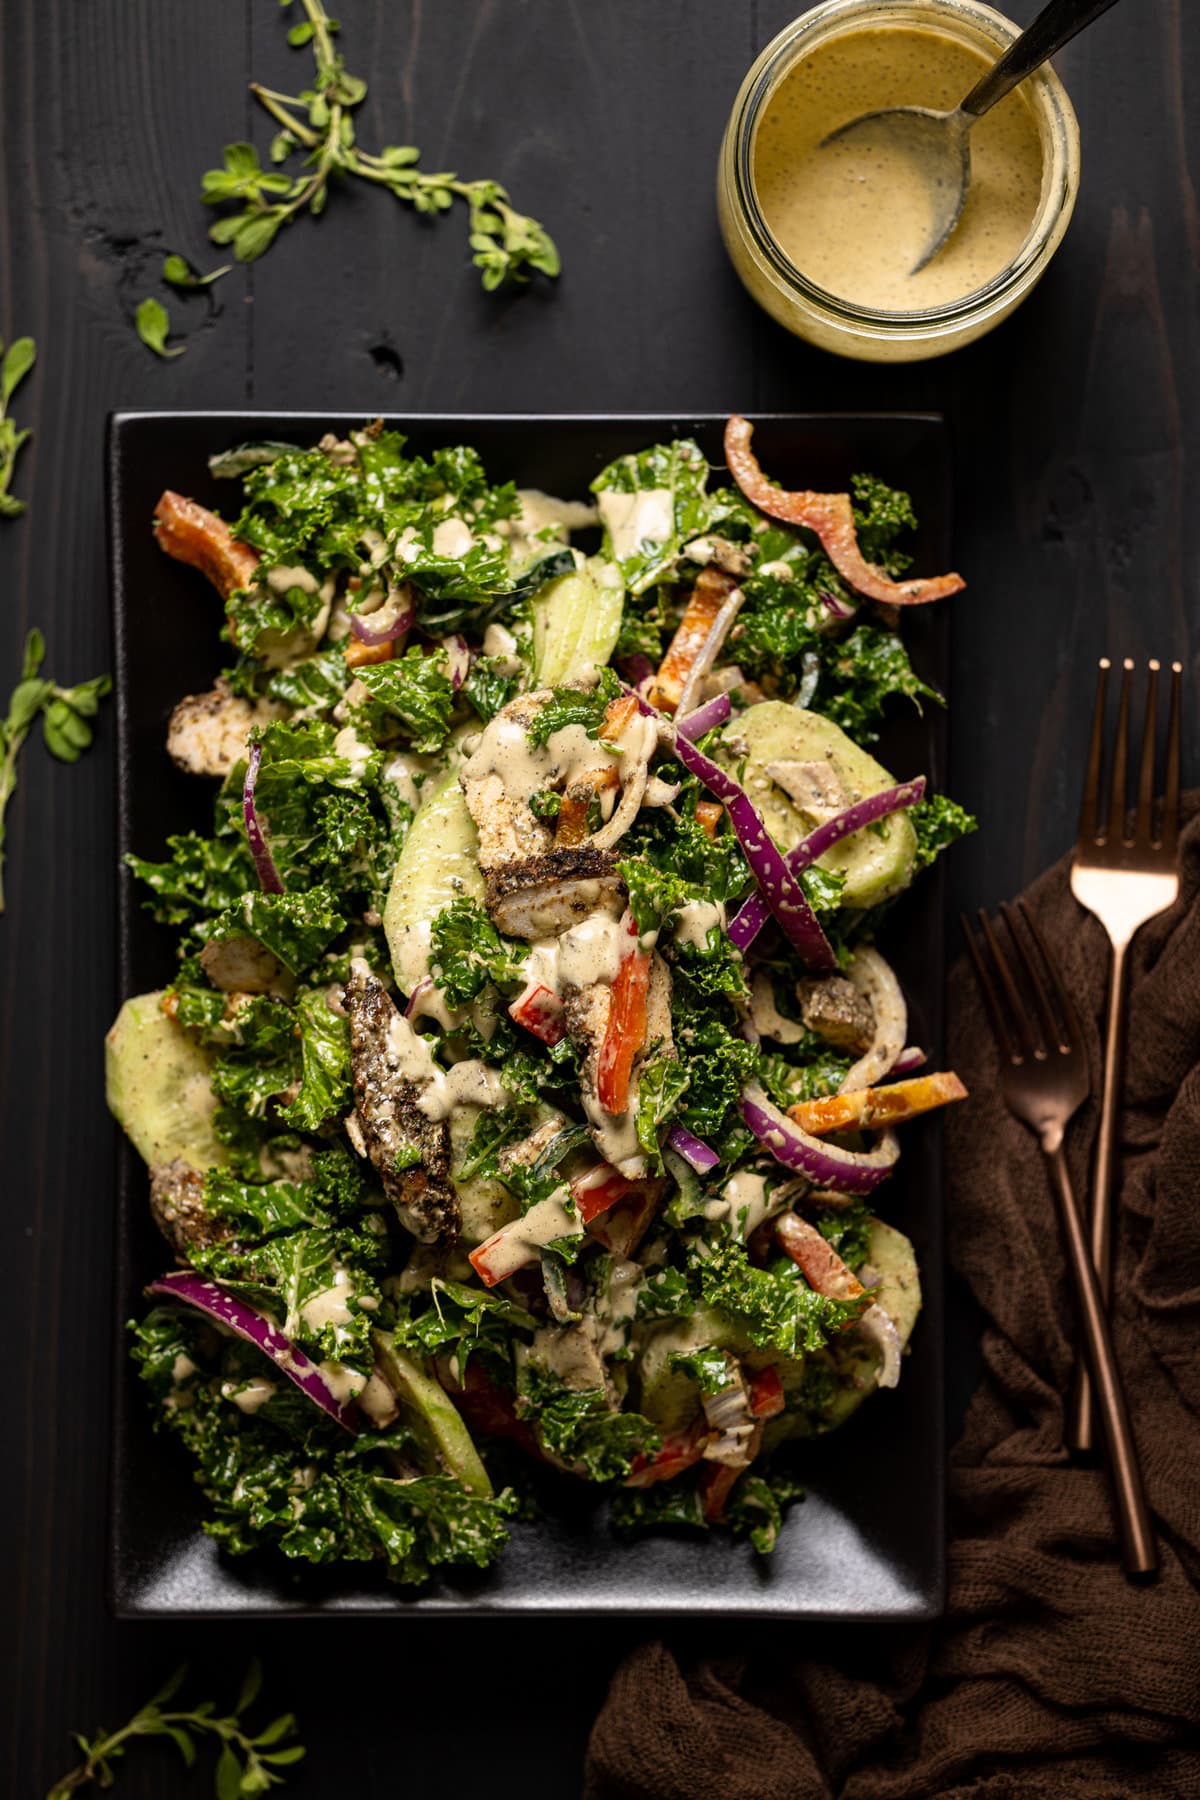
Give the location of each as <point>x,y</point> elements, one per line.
<point>1075,425</point>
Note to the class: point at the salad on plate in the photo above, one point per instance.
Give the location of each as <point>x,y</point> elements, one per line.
<point>519,1106</point>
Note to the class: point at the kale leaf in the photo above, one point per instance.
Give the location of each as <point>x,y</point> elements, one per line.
<point>938,822</point>
<point>466,952</point>
<point>860,673</point>
<point>579,1428</point>
<point>416,691</point>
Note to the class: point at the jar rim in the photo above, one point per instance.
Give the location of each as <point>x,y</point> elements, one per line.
<point>1052,108</point>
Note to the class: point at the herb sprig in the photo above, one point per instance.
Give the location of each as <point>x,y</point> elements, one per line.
<point>64,713</point>
<point>507,245</point>
<point>246,1765</point>
<point>15,364</point>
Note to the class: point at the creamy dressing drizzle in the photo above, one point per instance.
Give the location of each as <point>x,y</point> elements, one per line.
<point>330,1307</point>
<point>344,1384</point>
<point>256,1393</point>
<point>504,750</point>
<point>465,1084</point>
<point>696,920</point>
<point>645,516</point>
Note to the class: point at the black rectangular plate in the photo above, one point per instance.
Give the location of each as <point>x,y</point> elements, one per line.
<point>868,1543</point>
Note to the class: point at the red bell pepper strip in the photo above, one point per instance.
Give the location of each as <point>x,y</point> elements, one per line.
<point>598,1189</point>
<point>625,1032</point>
<point>675,1454</point>
<point>816,1258</point>
<point>540,1010</point>
<point>193,535</point>
<point>831,516</point>
<point>766,1394</point>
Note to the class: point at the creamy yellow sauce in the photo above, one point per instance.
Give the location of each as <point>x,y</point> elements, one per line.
<point>854,217</point>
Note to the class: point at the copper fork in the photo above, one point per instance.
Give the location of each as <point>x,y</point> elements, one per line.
<point>1124,875</point>
<point>1044,1081</point>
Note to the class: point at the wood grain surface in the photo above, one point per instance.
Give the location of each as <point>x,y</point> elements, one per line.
<point>1076,427</point>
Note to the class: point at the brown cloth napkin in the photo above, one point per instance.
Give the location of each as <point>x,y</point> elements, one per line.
<point>1050,1675</point>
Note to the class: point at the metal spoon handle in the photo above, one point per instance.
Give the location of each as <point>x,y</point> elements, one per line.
<point>1054,26</point>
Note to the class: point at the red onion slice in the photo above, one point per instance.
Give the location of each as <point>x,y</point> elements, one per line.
<point>268,875</point>
<point>692,1149</point>
<point>750,918</point>
<point>846,1171</point>
<point>458,660</point>
<point>779,888</point>
<point>207,1297</point>
<point>908,1060</point>
<point>706,718</point>
<point>390,619</point>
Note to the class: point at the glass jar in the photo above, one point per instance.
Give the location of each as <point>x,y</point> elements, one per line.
<point>865,332</point>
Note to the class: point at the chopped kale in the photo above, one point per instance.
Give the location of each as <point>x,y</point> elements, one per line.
<point>466,952</point>
<point>579,1427</point>
<point>938,822</point>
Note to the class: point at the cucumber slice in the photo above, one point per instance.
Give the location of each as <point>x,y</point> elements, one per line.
<point>576,622</point>
<point>670,1399</point>
<point>439,863</point>
<point>852,1358</point>
<point>158,1086</point>
<point>877,862</point>
<point>484,1202</point>
<point>432,1415</point>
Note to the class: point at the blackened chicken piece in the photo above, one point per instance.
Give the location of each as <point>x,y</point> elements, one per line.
<point>837,1012</point>
<point>178,1209</point>
<point>543,896</point>
<point>389,1117</point>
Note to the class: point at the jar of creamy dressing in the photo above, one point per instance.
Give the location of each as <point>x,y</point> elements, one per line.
<point>826,238</point>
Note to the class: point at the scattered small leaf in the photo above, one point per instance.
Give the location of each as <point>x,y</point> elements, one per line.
<point>153,324</point>
<point>178,272</point>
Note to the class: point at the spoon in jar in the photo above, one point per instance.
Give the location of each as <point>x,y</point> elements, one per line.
<point>937,143</point>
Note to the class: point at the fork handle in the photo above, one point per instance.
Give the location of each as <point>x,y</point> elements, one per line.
<point>1139,1553</point>
<point>1081,1419</point>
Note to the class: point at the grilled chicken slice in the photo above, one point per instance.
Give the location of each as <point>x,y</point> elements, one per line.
<point>542,877</point>
<point>177,1208</point>
<point>241,965</point>
<point>389,1118</point>
<point>207,733</point>
<point>545,895</point>
<point>837,1012</point>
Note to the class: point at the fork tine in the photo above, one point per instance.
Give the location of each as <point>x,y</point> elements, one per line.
<point>1016,1006</point>
<point>1143,828</point>
<point>1088,811</point>
<point>1169,827</point>
<point>1067,1028</point>
<point>1118,774</point>
<point>1041,999</point>
<point>991,998</point>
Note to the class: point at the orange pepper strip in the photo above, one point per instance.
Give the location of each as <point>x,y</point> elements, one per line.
<point>573,809</point>
<point>713,587</point>
<point>708,816</point>
<point>831,516</point>
<point>870,1107</point>
<point>193,535</point>
<point>625,1032</point>
<point>617,715</point>
<point>358,655</point>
